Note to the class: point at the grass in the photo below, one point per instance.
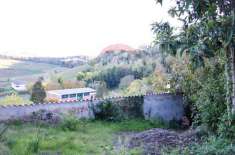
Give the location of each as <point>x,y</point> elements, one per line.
<point>87,138</point>
<point>212,145</point>
<point>14,100</point>
<point>16,68</point>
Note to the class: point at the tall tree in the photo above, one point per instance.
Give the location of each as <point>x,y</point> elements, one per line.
<point>208,29</point>
<point>38,93</point>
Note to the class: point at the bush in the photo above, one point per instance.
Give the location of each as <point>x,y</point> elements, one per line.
<point>108,111</point>
<point>204,91</point>
<point>212,146</point>
<point>71,123</point>
<point>225,129</point>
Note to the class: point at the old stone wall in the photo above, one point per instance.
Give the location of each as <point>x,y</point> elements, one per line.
<point>165,106</point>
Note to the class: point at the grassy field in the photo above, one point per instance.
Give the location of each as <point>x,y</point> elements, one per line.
<point>69,138</point>
<point>14,68</point>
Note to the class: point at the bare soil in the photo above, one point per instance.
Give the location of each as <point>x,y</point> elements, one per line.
<point>153,141</point>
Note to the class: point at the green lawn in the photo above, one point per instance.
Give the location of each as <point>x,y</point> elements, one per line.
<point>69,138</point>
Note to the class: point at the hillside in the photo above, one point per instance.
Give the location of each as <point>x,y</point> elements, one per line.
<point>117,72</point>
<point>70,61</point>
<point>29,71</point>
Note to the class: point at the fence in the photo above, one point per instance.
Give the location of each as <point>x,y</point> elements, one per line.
<point>166,106</point>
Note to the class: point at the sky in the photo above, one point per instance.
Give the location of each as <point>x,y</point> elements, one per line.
<point>59,28</point>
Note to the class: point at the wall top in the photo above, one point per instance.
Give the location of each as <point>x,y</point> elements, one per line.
<point>94,100</point>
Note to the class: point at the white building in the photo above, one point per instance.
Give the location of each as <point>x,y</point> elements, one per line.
<point>19,86</point>
<point>72,94</point>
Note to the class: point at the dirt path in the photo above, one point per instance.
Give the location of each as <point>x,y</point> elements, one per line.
<point>154,140</point>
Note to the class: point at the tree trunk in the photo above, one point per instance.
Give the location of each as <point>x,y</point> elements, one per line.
<point>232,53</point>
<point>230,80</point>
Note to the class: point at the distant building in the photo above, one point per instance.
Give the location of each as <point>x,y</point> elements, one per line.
<point>72,94</point>
<point>19,86</point>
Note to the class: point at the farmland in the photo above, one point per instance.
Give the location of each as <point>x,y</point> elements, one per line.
<point>15,68</point>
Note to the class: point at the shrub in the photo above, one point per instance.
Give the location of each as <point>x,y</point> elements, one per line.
<point>212,146</point>
<point>203,89</point>
<point>225,129</point>
<point>70,123</point>
<point>38,92</point>
<point>108,111</point>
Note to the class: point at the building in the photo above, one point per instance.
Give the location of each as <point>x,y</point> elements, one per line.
<point>19,86</point>
<point>71,94</point>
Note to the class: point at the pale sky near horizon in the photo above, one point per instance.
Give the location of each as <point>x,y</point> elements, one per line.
<point>75,27</point>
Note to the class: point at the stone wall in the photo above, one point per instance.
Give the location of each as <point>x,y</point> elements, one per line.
<point>165,106</point>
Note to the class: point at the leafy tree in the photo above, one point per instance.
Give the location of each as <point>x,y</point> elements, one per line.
<point>60,81</point>
<point>126,81</point>
<point>208,30</point>
<point>38,92</point>
<point>101,89</point>
<point>80,76</point>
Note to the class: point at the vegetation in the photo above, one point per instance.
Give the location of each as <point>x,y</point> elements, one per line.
<point>205,73</point>
<point>14,99</point>
<point>212,145</point>
<point>38,94</point>
<point>88,137</point>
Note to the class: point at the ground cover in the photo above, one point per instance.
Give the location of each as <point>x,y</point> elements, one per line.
<point>72,137</point>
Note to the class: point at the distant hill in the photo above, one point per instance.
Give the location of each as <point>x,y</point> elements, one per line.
<point>117,48</point>
<point>69,62</point>
<point>119,54</point>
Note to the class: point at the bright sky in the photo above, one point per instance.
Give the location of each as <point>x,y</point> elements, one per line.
<point>75,27</point>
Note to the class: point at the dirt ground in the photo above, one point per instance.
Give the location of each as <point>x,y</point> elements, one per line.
<point>154,140</point>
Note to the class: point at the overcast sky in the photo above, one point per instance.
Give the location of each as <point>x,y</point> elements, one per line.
<point>75,27</point>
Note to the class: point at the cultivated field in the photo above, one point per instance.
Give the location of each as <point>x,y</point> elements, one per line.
<point>14,68</point>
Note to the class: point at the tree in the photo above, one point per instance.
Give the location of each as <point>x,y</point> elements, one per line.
<point>126,81</point>
<point>208,29</point>
<point>38,93</point>
<point>60,81</point>
<point>101,89</point>
<point>80,76</point>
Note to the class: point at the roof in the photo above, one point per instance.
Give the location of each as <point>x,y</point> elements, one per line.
<point>118,47</point>
<point>71,91</point>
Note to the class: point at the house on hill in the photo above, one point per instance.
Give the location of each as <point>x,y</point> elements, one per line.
<point>19,86</point>
<point>71,94</point>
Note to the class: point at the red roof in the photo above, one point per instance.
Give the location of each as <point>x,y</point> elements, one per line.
<point>118,47</point>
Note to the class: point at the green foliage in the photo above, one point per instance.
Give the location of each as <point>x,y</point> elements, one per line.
<point>14,99</point>
<point>108,111</point>
<point>210,98</point>
<point>126,81</point>
<point>80,76</point>
<point>70,123</point>
<point>98,138</point>
<point>101,89</point>
<point>225,129</point>
<point>119,109</point>
<point>38,93</point>
<point>204,91</point>
<point>212,146</point>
